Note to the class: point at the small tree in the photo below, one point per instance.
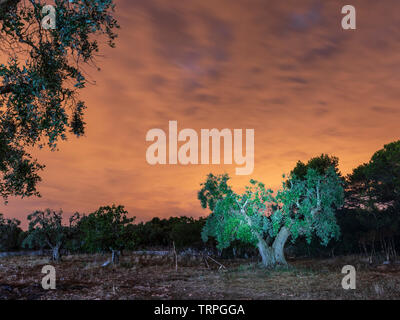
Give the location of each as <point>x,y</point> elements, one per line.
<point>302,207</point>
<point>105,230</point>
<point>9,233</point>
<point>46,229</point>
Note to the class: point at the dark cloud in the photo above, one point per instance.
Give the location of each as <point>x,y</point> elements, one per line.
<point>191,111</point>
<point>156,81</point>
<point>206,98</point>
<point>326,51</point>
<point>304,21</point>
<point>330,132</point>
<point>190,85</point>
<point>220,36</point>
<point>256,70</point>
<point>383,110</point>
<point>319,112</point>
<point>297,80</point>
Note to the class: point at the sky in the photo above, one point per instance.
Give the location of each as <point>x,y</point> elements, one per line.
<point>286,69</point>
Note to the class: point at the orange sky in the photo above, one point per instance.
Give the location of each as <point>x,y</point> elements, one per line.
<point>283,68</point>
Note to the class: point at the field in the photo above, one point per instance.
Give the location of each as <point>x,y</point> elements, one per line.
<point>155,277</point>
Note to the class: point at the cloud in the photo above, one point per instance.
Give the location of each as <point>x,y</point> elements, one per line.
<point>283,68</point>
<point>304,21</point>
<point>385,110</point>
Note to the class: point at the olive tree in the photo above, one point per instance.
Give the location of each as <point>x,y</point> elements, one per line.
<point>10,232</point>
<point>46,228</point>
<point>301,207</point>
<point>106,230</point>
<point>41,75</point>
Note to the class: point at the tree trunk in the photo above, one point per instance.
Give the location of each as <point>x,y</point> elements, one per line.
<point>267,254</point>
<point>115,256</point>
<point>279,245</point>
<point>56,256</point>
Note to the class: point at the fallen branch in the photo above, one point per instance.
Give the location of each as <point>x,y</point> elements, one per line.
<point>221,266</point>
<point>205,260</point>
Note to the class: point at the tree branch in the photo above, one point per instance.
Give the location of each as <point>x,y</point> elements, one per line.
<point>6,88</point>
<point>4,3</point>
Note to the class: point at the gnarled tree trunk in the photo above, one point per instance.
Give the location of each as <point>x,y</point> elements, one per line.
<point>273,255</point>
<point>267,254</point>
<point>279,245</point>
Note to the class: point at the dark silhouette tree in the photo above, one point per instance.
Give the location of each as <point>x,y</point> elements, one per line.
<point>377,183</point>
<point>373,199</point>
<point>321,164</point>
<point>10,232</point>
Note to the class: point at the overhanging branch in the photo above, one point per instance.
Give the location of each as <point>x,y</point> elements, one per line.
<point>5,89</point>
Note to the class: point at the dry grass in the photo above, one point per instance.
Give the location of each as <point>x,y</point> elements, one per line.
<point>149,277</point>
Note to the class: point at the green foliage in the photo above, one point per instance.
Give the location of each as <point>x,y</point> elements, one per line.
<point>321,164</point>
<point>237,217</point>
<point>40,83</point>
<point>106,229</point>
<point>74,240</point>
<point>304,206</point>
<point>214,189</point>
<point>183,231</point>
<point>186,232</point>
<point>46,229</point>
<point>308,204</point>
<point>10,234</point>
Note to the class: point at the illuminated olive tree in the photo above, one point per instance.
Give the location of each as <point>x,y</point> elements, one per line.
<point>41,74</point>
<point>302,207</point>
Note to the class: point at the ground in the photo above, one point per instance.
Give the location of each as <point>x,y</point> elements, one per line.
<point>148,277</point>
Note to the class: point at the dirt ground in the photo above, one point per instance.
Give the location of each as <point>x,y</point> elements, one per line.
<point>147,277</point>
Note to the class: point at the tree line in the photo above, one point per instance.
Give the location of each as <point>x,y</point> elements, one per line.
<point>316,212</point>
<point>108,229</point>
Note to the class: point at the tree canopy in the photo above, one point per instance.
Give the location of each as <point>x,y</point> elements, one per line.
<point>303,206</point>
<point>106,230</point>
<point>377,183</point>
<point>321,164</point>
<point>41,78</point>
<point>46,228</point>
<point>9,233</point>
